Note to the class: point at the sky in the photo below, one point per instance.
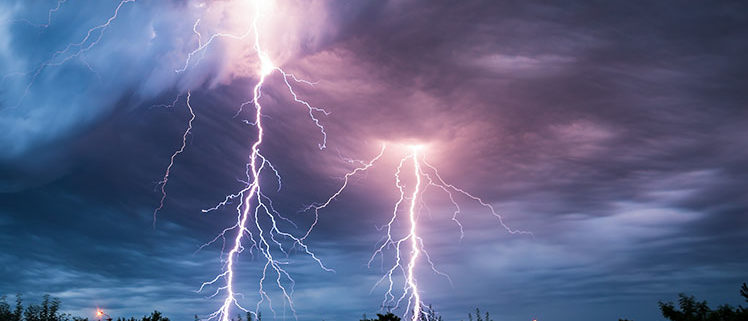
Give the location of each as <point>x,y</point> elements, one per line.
<point>614,131</point>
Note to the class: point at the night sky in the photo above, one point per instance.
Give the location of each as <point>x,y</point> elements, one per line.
<point>615,131</point>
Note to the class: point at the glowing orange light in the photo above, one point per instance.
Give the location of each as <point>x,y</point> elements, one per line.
<point>99,313</point>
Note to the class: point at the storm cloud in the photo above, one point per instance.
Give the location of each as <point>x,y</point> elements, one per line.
<point>614,131</point>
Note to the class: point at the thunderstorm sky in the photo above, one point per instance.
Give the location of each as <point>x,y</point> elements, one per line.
<point>615,131</point>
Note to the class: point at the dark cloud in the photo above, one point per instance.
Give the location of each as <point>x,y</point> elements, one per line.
<point>614,131</point>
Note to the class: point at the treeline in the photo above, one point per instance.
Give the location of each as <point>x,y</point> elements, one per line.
<point>155,316</point>
<point>428,314</point>
<point>692,310</point>
<point>688,309</point>
<point>49,310</point>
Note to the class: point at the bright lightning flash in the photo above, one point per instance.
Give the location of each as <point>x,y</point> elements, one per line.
<point>256,226</point>
<point>409,248</point>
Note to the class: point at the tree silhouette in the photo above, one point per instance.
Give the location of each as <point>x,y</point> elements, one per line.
<point>155,316</point>
<point>18,312</point>
<point>48,310</point>
<point>692,310</point>
<point>5,312</point>
<point>383,317</point>
<point>248,316</point>
<point>478,316</point>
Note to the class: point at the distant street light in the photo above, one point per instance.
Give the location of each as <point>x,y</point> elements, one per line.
<point>100,313</point>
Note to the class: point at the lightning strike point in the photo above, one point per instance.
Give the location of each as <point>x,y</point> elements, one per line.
<point>266,66</point>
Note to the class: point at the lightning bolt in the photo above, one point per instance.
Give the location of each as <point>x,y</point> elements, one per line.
<point>71,51</point>
<point>415,242</point>
<point>50,12</point>
<point>346,178</point>
<point>256,227</point>
<point>410,288</point>
<point>162,183</point>
<point>409,249</point>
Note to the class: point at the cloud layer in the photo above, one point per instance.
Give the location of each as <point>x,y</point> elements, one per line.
<point>614,131</point>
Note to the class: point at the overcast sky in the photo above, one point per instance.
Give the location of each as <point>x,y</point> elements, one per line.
<point>615,131</point>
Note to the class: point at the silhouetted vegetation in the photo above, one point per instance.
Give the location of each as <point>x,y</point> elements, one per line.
<point>479,316</point>
<point>155,316</point>
<point>239,317</point>
<point>48,310</point>
<point>427,314</point>
<point>688,309</point>
<point>383,317</point>
<point>692,310</point>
